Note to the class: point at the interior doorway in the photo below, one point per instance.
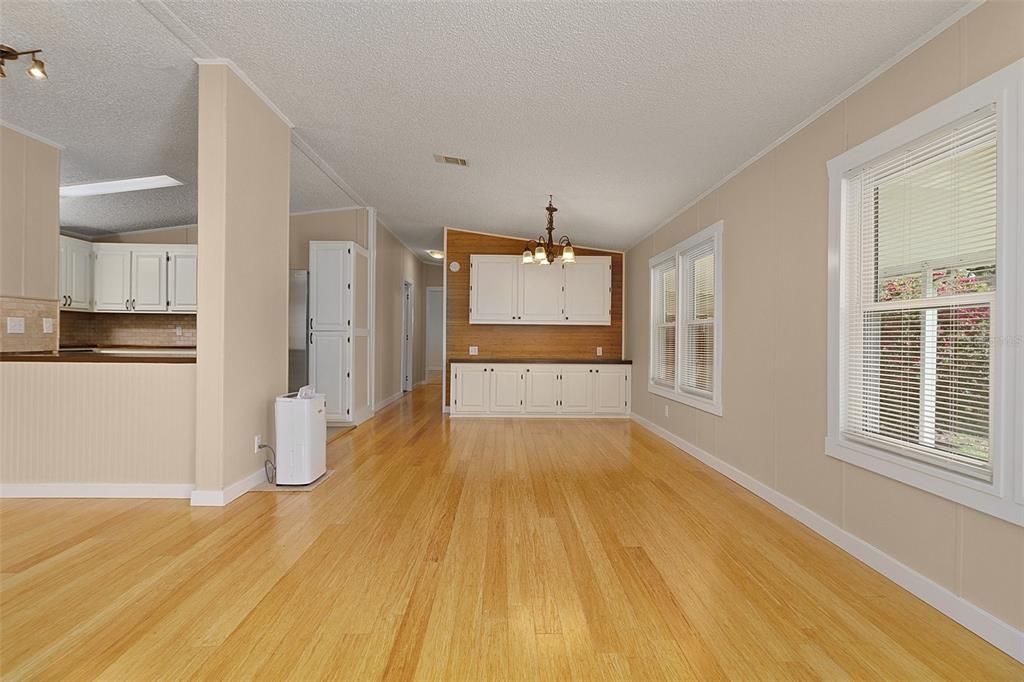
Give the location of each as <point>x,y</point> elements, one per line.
<point>434,357</point>
<point>407,335</point>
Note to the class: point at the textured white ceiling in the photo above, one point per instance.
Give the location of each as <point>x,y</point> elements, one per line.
<point>624,111</point>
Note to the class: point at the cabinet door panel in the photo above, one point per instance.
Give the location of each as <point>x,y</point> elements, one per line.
<point>494,287</point>
<point>471,390</point>
<point>577,389</point>
<point>149,280</point>
<point>611,390</point>
<point>506,389</point>
<point>588,295</point>
<point>541,292</point>
<point>541,389</point>
<point>182,281</point>
<point>79,277</point>
<point>329,282</point>
<point>112,279</point>
<point>328,369</point>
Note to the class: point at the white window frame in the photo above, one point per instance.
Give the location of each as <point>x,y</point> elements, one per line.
<point>707,401</point>
<point>1003,497</point>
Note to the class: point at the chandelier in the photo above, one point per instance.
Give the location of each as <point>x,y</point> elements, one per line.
<point>545,251</point>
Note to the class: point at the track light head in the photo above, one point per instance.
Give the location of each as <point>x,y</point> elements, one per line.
<point>37,69</point>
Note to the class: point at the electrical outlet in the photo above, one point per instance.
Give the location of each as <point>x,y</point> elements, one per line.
<point>177,330</point>
<point>666,410</point>
<point>47,325</point>
<point>600,351</point>
<point>15,325</point>
<point>257,443</point>
<point>474,350</point>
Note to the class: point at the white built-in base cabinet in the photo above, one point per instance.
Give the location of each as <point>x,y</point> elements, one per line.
<point>538,390</point>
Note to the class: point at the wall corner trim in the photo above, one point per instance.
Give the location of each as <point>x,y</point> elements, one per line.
<point>998,633</point>
<point>29,133</point>
<point>222,498</point>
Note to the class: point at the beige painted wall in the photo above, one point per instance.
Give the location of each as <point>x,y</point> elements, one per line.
<point>29,251</point>
<point>119,422</point>
<point>433,275</point>
<point>178,234</point>
<point>774,370</point>
<point>396,265</point>
<point>242,333</point>
<point>342,225</point>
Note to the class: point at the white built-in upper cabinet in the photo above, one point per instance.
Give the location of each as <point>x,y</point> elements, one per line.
<point>112,278</point>
<point>183,280</point>
<point>504,290</point>
<point>149,280</point>
<point>144,278</point>
<point>75,274</point>
<point>330,281</point>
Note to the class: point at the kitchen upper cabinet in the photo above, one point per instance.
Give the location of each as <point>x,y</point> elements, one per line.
<point>112,278</point>
<point>494,289</point>
<point>330,281</point>
<point>329,371</point>
<point>75,274</point>
<point>472,389</point>
<point>183,280</point>
<point>149,280</point>
<point>541,292</point>
<point>541,388</point>
<point>611,389</point>
<point>588,290</point>
<point>577,389</point>
<point>506,389</point>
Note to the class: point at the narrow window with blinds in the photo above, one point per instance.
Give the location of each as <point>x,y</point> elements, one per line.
<point>921,275</point>
<point>686,333</point>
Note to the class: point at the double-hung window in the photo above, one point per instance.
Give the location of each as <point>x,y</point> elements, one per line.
<point>686,326</point>
<point>925,243</point>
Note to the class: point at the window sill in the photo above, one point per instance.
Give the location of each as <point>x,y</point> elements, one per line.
<point>710,406</point>
<point>995,499</point>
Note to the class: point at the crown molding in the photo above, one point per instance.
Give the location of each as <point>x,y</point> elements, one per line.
<point>29,133</point>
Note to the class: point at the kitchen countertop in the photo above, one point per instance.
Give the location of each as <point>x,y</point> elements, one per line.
<point>534,361</point>
<point>152,354</point>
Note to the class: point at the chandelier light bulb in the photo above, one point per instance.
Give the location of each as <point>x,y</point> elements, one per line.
<point>37,69</point>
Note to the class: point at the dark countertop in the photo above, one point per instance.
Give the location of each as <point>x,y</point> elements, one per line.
<point>137,354</point>
<point>534,361</point>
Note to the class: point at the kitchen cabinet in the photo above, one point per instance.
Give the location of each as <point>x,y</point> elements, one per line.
<point>149,280</point>
<point>588,290</point>
<point>183,280</point>
<point>112,278</point>
<point>75,274</point>
<point>330,283</point>
<point>540,389</point>
<point>329,371</point>
<point>504,290</point>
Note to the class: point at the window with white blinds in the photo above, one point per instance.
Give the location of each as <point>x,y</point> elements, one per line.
<point>920,258</point>
<point>926,270</point>
<point>686,321</point>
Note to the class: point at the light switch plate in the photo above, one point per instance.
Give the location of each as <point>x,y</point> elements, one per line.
<point>47,325</point>
<point>15,325</point>
<point>474,350</point>
<point>600,351</point>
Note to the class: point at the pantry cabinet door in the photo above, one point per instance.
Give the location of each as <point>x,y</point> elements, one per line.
<point>330,282</point>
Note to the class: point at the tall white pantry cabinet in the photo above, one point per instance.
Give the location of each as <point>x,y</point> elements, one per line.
<point>339,328</point>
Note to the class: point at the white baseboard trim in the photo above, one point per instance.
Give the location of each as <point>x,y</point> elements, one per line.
<point>115,490</point>
<point>222,498</point>
<point>982,623</point>
<point>387,401</point>
<point>362,415</point>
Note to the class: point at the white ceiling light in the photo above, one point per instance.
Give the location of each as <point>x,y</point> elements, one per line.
<point>433,253</point>
<point>90,189</point>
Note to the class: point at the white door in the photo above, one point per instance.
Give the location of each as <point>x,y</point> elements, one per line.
<point>493,283</point>
<point>111,278</point>
<point>149,280</point>
<point>577,389</point>
<point>182,281</point>
<point>541,389</point>
<point>471,389</point>
<point>329,284</point>
<point>588,290</point>
<point>611,389</point>
<point>435,325</point>
<point>329,372</point>
<point>507,389</point>
<point>541,292</point>
<point>79,275</point>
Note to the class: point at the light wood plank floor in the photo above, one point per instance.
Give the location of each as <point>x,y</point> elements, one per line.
<point>463,550</point>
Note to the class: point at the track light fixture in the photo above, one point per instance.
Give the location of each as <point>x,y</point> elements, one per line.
<point>36,70</point>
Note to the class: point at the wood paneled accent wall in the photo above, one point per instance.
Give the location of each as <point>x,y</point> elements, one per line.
<point>501,342</point>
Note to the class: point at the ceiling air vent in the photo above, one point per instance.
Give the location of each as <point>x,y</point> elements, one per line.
<point>452,160</point>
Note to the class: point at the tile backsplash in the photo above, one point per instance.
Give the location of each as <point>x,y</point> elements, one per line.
<point>32,312</point>
<point>126,329</point>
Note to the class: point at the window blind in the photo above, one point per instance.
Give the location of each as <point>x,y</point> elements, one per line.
<point>699,316</point>
<point>920,278</point>
<point>664,287</point>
